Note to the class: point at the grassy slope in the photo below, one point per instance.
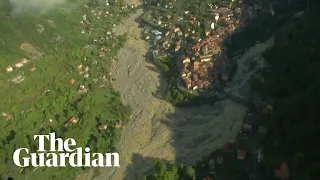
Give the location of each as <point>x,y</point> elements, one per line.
<point>26,101</point>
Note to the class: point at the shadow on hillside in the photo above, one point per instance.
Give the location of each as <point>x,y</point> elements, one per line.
<point>199,130</point>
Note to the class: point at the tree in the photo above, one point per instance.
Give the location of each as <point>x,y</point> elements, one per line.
<point>160,169</point>
<point>189,173</point>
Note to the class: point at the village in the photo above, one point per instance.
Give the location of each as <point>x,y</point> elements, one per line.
<point>198,43</point>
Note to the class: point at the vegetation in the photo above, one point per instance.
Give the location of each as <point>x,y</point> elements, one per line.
<point>293,82</point>
<point>45,99</point>
<point>230,169</point>
<point>173,94</point>
<point>163,172</point>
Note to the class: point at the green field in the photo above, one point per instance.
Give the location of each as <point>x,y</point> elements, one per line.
<point>53,44</point>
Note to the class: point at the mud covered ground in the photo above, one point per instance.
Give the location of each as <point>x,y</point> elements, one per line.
<point>157,129</point>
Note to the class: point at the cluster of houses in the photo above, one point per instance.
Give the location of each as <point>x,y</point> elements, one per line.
<point>20,64</point>
<point>19,78</point>
<point>32,52</point>
<point>84,71</point>
<point>198,42</point>
<point>96,15</point>
<point>199,58</point>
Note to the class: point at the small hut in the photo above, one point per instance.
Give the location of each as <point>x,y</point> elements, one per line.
<point>82,89</point>
<point>103,127</point>
<point>118,124</point>
<point>72,81</point>
<point>73,120</point>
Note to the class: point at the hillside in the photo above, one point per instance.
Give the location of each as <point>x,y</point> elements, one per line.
<point>292,139</point>
<point>55,61</point>
<point>290,149</point>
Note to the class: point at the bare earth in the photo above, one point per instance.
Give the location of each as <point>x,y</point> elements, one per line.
<point>85,176</point>
<point>157,129</point>
<point>31,50</point>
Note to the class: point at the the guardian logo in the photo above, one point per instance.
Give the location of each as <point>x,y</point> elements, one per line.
<point>62,155</point>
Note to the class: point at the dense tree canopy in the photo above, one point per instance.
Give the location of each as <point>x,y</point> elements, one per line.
<point>174,172</point>
<point>294,83</point>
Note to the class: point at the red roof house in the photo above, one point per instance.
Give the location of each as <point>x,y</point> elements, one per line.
<point>71,121</point>
<point>282,173</point>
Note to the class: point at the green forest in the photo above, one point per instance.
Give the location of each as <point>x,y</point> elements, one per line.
<point>44,85</point>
